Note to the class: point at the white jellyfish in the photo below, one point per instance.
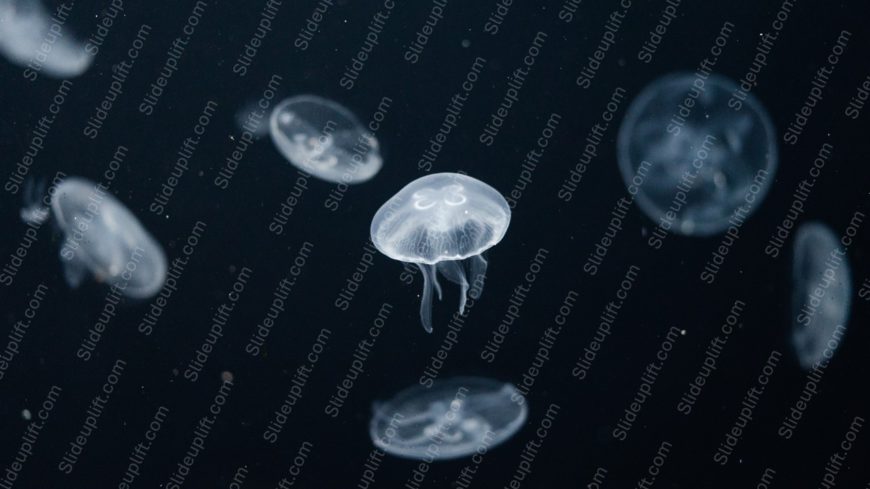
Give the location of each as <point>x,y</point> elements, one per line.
<point>699,157</point>
<point>322,138</point>
<point>821,293</point>
<point>442,222</point>
<point>102,238</point>
<point>254,119</point>
<point>456,416</point>
<point>29,36</point>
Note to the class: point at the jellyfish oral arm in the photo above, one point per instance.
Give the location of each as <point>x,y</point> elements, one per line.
<point>435,283</point>
<point>477,273</point>
<point>426,301</point>
<point>34,215</point>
<point>34,212</point>
<point>454,273</point>
<point>74,272</point>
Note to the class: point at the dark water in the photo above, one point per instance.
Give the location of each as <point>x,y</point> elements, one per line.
<point>233,213</point>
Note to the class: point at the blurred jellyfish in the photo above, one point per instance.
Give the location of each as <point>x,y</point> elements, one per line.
<point>700,158</point>
<point>102,238</point>
<point>821,294</point>
<point>442,222</point>
<point>30,36</point>
<point>324,139</point>
<point>252,118</point>
<point>457,416</point>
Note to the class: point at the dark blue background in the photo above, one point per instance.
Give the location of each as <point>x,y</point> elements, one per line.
<point>668,291</point>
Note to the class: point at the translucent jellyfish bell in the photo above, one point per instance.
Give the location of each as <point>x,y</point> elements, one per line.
<point>697,156</point>
<point>322,138</point>
<point>104,239</point>
<point>251,117</point>
<point>442,222</point>
<point>821,294</point>
<point>455,416</point>
<point>29,34</point>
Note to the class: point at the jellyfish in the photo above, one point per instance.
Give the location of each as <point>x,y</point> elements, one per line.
<point>442,222</point>
<point>102,238</point>
<point>456,415</point>
<point>29,36</point>
<point>253,119</point>
<point>322,138</point>
<point>697,159</point>
<point>821,293</point>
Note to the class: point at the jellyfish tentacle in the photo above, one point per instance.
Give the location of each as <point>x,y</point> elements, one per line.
<point>33,211</point>
<point>426,301</point>
<point>435,282</point>
<point>74,271</point>
<point>477,275</point>
<point>454,273</point>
